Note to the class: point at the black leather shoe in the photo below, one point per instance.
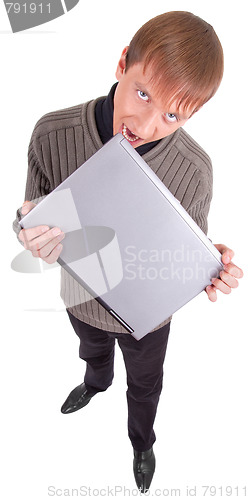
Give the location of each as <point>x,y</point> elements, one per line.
<point>77,399</point>
<point>144,467</point>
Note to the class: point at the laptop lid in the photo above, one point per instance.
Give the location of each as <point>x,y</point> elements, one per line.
<point>128,241</point>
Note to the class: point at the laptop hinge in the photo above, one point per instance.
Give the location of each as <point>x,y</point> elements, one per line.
<point>123,323</point>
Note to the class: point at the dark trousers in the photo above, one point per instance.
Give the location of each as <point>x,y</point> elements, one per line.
<point>144,366</point>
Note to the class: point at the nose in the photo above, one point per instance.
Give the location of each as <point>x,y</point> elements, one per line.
<point>146,124</point>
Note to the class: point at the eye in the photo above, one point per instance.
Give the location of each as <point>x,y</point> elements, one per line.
<point>142,95</point>
<point>171,117</point>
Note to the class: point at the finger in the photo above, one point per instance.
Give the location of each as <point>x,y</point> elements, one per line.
<point>220,285</point>
<point>227,256</point>
<point>234,270</point>
<point>27,206</point>
<point>37,237</point>
<point>27,235</point>
<point>54,254</point>
<point>44,251</point>
<point>44,247</point>
<point>226,253</point>
<point>223,249</point>
<point>211,292</point>
<point>229,279</point>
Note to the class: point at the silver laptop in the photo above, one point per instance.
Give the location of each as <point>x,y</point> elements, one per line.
<point>128,241</point>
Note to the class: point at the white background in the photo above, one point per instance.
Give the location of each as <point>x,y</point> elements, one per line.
<point>202,425</point>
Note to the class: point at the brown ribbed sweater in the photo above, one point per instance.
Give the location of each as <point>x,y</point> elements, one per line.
<point>65,139</point>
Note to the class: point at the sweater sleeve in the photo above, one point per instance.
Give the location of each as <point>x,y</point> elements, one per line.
<point>199,209</point>
<point>37,183</point>
<point>200,213</point>
<point>195,187</point>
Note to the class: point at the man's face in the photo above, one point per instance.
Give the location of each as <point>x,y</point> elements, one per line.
<point>138,114</point>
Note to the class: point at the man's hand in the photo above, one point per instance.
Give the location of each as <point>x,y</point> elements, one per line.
<point>228,276</point>
<point>42,241</point>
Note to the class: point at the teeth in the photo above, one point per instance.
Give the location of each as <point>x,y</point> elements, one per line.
<point>129,138</point>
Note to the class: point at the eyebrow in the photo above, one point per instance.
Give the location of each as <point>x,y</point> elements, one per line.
<point>143,88</point>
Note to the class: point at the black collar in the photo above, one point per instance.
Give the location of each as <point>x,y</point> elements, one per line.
<point>104,111</point>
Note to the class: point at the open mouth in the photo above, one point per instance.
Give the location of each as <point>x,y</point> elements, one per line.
<point>129,135</point>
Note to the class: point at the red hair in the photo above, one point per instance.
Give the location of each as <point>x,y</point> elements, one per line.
<point>185,56</point>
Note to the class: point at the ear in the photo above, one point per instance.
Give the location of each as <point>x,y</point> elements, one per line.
<point>121,64</point>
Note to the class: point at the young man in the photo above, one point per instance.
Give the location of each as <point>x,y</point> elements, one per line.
<point>172,67</point>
